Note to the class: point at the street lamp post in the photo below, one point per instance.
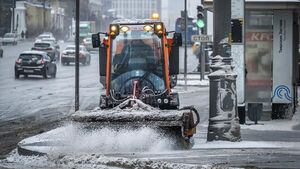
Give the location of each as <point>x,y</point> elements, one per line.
<point>223,120</point>
<point>44,15</point>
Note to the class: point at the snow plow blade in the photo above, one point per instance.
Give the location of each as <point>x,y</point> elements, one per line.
<point>176,124</point>
<point>131,115</point>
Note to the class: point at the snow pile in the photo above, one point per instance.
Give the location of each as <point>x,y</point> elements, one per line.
<point>122,162</point>
<point>296,116</point>
<point>88,161</point>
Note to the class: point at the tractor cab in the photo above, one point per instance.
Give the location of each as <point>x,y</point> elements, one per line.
<point>137,57</point>
<point>137,60</point>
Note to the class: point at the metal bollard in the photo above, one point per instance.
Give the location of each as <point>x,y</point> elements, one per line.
<point>223,119</point>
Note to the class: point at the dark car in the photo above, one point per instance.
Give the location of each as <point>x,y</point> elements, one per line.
<point>68,55</point>
<point>35,63</point>
<point>48,47</point>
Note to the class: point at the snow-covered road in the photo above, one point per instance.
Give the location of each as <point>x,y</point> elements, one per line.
<point>34,105</point>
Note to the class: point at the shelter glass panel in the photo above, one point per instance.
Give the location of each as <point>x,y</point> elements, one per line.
<point>258,57</point>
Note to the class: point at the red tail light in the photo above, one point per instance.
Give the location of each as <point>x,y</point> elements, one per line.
<point>42,61</point>
<point>18,61</point>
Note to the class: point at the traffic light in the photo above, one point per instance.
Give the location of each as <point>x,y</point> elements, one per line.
<point>236,31</point>
<point>200,17</point>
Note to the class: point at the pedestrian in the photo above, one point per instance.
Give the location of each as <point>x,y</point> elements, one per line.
<point>26,34</point>
<point>22,34</point>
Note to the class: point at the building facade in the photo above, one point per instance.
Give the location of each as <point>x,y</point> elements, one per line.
<point>139,9</point>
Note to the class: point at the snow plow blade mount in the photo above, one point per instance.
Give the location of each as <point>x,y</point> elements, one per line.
<point>176,124</point>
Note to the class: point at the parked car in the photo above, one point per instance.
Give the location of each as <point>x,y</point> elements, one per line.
<point>35,63</point>
<point>1,51</point>
<point>10,38</point>
<point>68,55</point>
<point>48,47</point>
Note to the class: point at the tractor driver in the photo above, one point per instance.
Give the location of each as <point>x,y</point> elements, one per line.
<point>141,49</point>
<point>134,53</point>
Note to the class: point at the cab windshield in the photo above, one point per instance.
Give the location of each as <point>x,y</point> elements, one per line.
<point>136,55</point>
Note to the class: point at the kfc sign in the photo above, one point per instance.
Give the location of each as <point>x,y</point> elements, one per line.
<point>259,36</point>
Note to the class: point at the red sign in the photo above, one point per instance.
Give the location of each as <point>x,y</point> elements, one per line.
<point>259,36</point>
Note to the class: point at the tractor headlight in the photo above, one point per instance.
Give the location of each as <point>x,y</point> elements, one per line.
<point>147,28</point>
<point>114,30</point>
<point>155,16</point>
<point>159,29</point>
<point>124,29</point>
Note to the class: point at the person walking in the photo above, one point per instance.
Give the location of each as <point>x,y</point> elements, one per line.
<point>22,35</point>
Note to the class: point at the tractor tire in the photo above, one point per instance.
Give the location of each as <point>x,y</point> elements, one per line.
<point>17,75</point>
<point>53,75</point>
<point>45,74</point>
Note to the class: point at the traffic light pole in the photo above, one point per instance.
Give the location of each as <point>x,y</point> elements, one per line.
<point>185,45</point>
<point>204,53</point>
<point>201,24</point>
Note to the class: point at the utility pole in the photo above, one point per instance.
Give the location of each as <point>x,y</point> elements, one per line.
<point>44,15</point>
<point>204,32</point>
<point>77,56</point>
<point>221,21</point>
<point>13,15</point>
<point>185,45</point>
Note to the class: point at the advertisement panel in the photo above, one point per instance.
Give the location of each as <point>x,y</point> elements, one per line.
<point>259,65</point>
<point>283,57</point>
<point>258,57</point>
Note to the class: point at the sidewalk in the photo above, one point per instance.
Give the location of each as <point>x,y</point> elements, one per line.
<point>193,79</point>
<point>274,134</point>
